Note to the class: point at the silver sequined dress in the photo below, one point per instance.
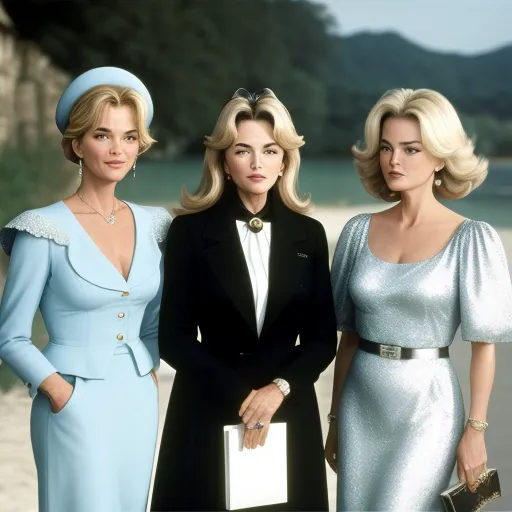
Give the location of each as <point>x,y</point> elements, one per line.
<point>399,422</point>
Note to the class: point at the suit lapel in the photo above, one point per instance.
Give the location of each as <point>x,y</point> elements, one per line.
<point>92,265</point>
<point>86,258</point>
<point>224,254</point>
<point>287,262</point>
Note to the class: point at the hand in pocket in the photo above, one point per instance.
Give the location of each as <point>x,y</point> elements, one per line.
<point>60,396</point>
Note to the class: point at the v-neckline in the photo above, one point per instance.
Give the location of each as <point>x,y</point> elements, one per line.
<point>86,233</point>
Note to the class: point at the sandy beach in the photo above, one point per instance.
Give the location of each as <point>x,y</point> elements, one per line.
<point>18,489</point>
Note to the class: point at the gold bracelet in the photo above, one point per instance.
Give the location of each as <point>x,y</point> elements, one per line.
<point>481,426</point>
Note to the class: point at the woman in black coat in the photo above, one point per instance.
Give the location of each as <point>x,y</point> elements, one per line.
<point>250,271</point>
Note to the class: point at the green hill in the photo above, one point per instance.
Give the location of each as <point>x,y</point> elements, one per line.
<point>371,63</point>
<point>364,66</point>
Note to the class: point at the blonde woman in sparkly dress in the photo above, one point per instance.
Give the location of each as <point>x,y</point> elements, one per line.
<point>404,280</point>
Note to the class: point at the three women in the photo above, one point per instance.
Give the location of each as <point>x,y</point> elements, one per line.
<point>247,269</point>
<point>91,263</point>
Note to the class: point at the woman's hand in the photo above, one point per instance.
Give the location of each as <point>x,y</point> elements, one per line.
<point>58,391</point>
<point>256,437</point>
<point>331,447</point>
<point>471,457</point>
<point>259,407</point>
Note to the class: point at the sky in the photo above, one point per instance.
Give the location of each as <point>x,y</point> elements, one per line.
<point>460,26</point>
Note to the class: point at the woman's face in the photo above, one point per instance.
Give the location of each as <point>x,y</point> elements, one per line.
<point>254,161</point>
<point>110,147</point>
<point>405,163</point>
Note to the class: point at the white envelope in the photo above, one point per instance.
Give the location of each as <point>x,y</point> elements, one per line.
<point>255,477</point>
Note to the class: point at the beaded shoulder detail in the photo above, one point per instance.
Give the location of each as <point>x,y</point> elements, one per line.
<point>161,222</point>
<point>35,224</point>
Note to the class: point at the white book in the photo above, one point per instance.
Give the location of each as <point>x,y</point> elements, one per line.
<point>255,477</point>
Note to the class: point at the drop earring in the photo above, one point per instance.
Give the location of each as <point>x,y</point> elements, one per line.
<point>133,168</point>
<point>80,168</point>
<point>437,181</point>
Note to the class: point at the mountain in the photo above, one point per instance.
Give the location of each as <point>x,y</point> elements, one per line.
<point>370,64</point>
<point>364,66</point>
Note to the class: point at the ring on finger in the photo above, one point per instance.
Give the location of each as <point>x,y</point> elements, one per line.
<point>258,426</point>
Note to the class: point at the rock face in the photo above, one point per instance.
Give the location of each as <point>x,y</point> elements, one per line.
<point>30,86</point>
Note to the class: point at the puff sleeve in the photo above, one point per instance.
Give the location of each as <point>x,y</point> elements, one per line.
<point>485,287</point>
<point>345,255</point>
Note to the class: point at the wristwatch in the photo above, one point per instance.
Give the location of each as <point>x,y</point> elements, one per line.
<point>283,386</point>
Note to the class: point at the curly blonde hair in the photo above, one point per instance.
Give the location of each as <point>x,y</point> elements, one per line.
<point>442,135</point>
<point>89,107</point>
<point>238,109</point>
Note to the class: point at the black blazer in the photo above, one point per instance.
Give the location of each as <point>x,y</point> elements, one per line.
<point>207,286</point>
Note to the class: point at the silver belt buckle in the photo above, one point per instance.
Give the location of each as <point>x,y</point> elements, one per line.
<point>390,352</point>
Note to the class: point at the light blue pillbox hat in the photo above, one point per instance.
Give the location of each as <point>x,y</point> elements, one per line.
<point>92,78</point>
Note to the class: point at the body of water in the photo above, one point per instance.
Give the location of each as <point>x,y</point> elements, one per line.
<point>330,182</point>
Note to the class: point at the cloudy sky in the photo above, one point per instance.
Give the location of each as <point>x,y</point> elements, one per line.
<point>462,26</point>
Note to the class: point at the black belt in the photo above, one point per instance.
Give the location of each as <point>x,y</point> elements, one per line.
<point>396,352</point>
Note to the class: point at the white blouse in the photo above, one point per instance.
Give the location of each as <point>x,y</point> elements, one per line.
<point>256,247</point>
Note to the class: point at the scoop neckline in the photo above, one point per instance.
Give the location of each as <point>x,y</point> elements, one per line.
<point>435,256</point>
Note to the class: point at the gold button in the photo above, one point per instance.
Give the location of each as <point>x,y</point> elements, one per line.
<point>120,337</point>
<point>125,294</point>
<point>121,315</point>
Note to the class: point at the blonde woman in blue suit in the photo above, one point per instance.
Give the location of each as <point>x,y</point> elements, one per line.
<point>92,264</point>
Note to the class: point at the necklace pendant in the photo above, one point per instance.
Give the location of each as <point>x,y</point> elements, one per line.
<point>255,225</point>
<point>112,218</point>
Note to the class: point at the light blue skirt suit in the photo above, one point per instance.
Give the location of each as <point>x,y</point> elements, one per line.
<point>96,454</point>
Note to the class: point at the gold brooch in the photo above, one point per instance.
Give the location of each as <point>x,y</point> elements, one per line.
<point>255,225</point>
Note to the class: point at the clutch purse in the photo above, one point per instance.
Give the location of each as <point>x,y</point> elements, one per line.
<point>460,499</point>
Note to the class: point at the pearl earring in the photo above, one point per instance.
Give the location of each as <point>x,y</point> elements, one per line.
<point>437,182</point>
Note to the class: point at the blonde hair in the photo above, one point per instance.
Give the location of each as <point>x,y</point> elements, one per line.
<point>442,135</point>
<point>89,107</point>
<point>238,109</point>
